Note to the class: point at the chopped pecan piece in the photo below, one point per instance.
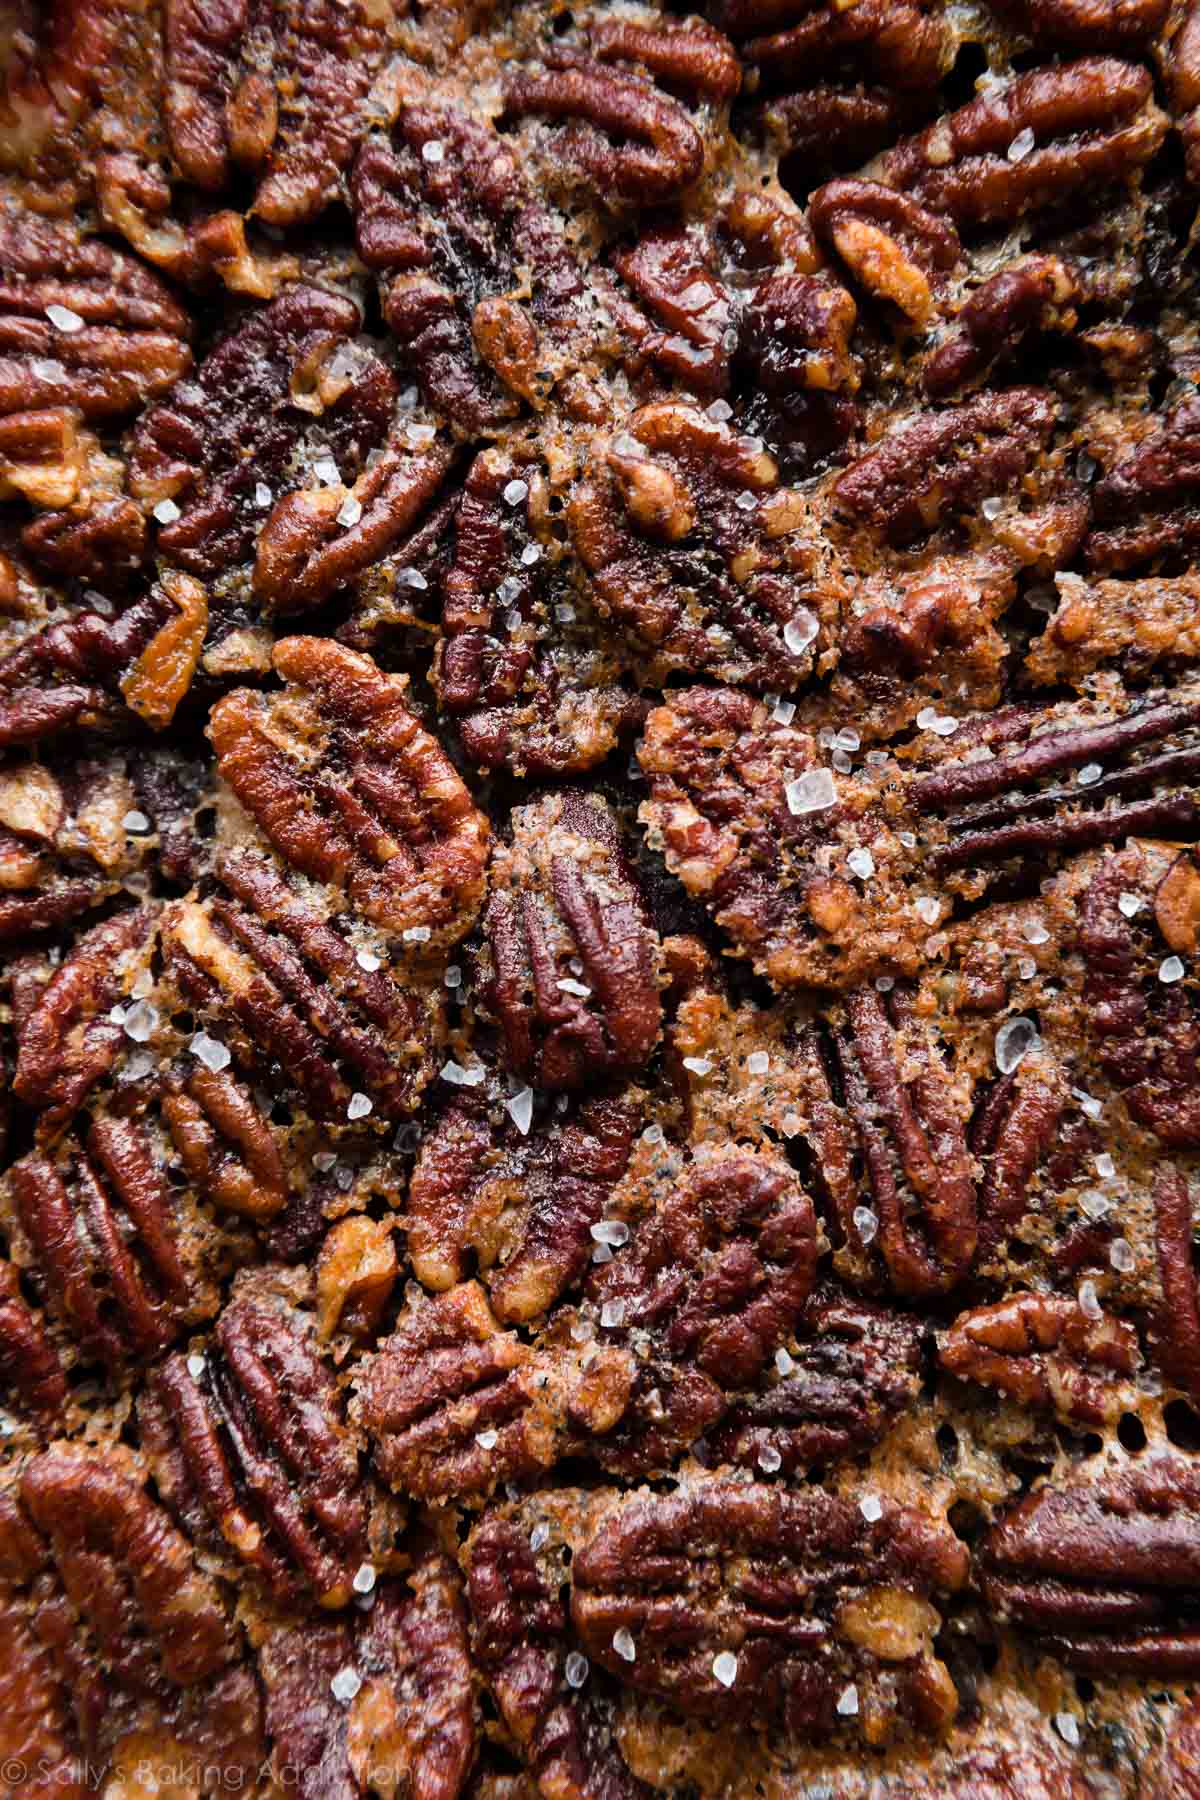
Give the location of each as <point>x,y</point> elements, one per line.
<point>477,280</point>
<point>1130,625</point>
<point>521,1638</point>
<point>130,342</point>
<point>898,251</point>
<point>62,847</point>
<point>344,783</point>
<point>1148,507</point>
<point>520,1205</point>
<point>356,1271</point>
<point>854,1368</point>
<point>29,1364</point>
<point>780,1582</point>
<point>627,141</point>
<point>127,1572</point>
<point>717,1276</point>
<point>411,1726</point>
<point>252,1454</point>
<point>522,667</point>
<point>1183,86</point>
<point>684,314</point>
<point>268,971</point>
<point>287,380</point>
<point>563,895</point>
<point>881,1099</point>
<point>273,89</point>
<point>682,527</point>
<point>1046,1352</point>
<point>1093,122</point>
<point>1105,1572</point>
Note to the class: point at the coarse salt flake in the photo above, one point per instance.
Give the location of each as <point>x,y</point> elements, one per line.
<point>871,1508</point>
<point>624,1645</point>
<point>360,1105</point>
<point>725,1668</point>
<point>758,1062</point>
<point>136,821</point>
<point>166,512</point>
<point>847,1704</point>
<point>520,1110</point>
<point>812,792</point>
<point>64,318</point>
<point>350,511</point>
<point>367,959</point>
<point>345,1684</point>
<point>1014,1040</point>
<point>861,863</point>
<point>210,1052</point>
<point>800,631</point>
<point>515,492</point>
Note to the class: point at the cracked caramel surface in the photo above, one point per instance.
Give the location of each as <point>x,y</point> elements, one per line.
<point>599,897</point>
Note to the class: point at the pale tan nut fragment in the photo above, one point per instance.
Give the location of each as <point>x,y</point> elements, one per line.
<point>898,250</point>
<point>349,789</point>
<point>356,1271</point>
<point>1135,625</point>
<point>163,672</point>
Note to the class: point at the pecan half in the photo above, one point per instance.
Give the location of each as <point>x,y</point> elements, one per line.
<point>797,42</point>
<point>63,849</point>
<point>271,89</point>
<point>1105,1573</point>
<point>1148,506</point>
<point>1093,122</point>
<point>252,1454</point>
<point>522,668</point>
<point>521,1206</point>
<point>854,1368</point>
<point>1178,1323</point>
<point>618,131</point>
<point>29,1364</point>
<point>412,1724</point>
<point>1031,295</point>
<point>682,527</point>
<point>284,381</point>
<point>683,314</point>
<point>563,895</point>
<point>687,57</point>
<point>880,1098</point>
<point>1121,25</point>
<point>128,1574</point>
<point>1183,86</point>
<point>776,1580</point>
<point>270,973</point>
<point>898,251</point>
<point>225,1144</point>
<point>478,283</point>
<point>1014,1128</point>
<point>1046,1352</point>
<point>130,344</point>
<point>717,1276</point>
<point>344,783</point>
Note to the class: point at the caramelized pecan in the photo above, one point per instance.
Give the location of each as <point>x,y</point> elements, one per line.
<point>794,42</point>
<point>852,1370</point>
<point>1178,1321</point>
<point>1046,1352</point>
<point>1090,24</point>
<point>1031,295</point>
<point>1019,1121</point>
<point>1132,625</point>
<point>564,899</point>
<point>273,89</point>
<point>1104,1572</point>
<point>521,668</point>
<point>29,1364</point>
<point>365,800</point>
<point>285,384</point>
<point>824,128</point>
<point>63,849</point>
<point>898,251</point>
<point>779,1581</point>
<point>679,527</point>
<point>881,1099</point>
<point>1148,506</point>
<point>521,1206</point>
<point>624,138</point>
<point>687,57</point>
<point>266,970</point>
<point>684,315</point>
<point>225,1145</point>
<point>128,1574</point>
<point>412,1724</point>
<point>477,281</point>
<point>251,1453</point>
<point>129,345</point>
<point>1183,86</point>
<point>717,1277</point>
<point>942,463</point>
<point>1093,122</point>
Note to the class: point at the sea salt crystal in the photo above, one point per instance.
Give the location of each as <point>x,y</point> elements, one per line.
<point>1091,1106</point>
<point>927,908</point>
<point>350,511</point>
<point>433,152</point>
<point>907,838</point>
<point>140,1021</point>
<point>136,821</point>
<point>520,1110</point>
<point>576,1669</point>
<point>1106,1168</point>
<point>1035,933</point>
<point>611,1231</point>
<point>624,1645</point>
<point>360,1105</point>
<point>515,492</point>
<point>870,1508</point>
<point>367,959</point>
<point>364,1578</point>
<point>848,1701</point>
<point>841,762</point>
<point>1094,1205</point>
<point>1088,1301</point>
<point>720,410</point>
<point>410,577</point>
<point>1170,969</point>
<point>324,1160</point>
<point>570,986</point>
<point>539,1537</point>
<point>992,507</point>
<point>1121,1256</point>
<point>866,1223</point>
<point>943,725</point>
<point>1129,904</point>
<point>453,976</point>
<point>210,1052</point>
<point>653,1134</point>
<point>1014,1040</point>
<point>847,739</point>
<point>698,1065</point>
<point>1089,775</point>
<point>326,470</point>
<point>262,495</point>
<point>800,631</point>
<point>769,1460</point>
<point>725,1668</point>
<point>1067,1727</point>
<point>884,984</point>
<point>487,1440</point>
<point>612,1314</point>
<point>1021,145</point>
<point>345,1684</point>
<point>861,863</point>
<point>758,1062</point>
<point>166,512</point>
<point>783,1362</point>
<point>810,793</point>
<point>457,1076</point>
<point>64,318</point>
<point>195,1367</point>
<point>417,934</point>
<point>783,712</point>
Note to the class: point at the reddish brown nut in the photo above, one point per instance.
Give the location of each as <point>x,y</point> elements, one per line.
<point>521,1640</point>
<point>683,319</point>
<point>520,1206</point>
<point>794,42</point>
<point>100,539</point>
<point>1120,25</point>
<point>572,965</point>
<point>1091,122</point>
<point>1147,1030</point>
<point>128,1574</point>
<point>851,1371</point>
<point>225,1145</point>
<point>36,1727</point>
<point>522,667</point>
<point>1014,1128</point>
<point>1178,1323</point>
<point>286,370</point>
<point>453,1404</point>
<point>881,1099</point>
<point>412,1724</point>
<point>1148,507</point>
<point>120,339</point>
<point>942,463</point>
<point>263,969</point>
<point>825,127</point>
<point>1183,86</point>
<point>627,141</point>
<point>1104,1572</point>
<point>63,849</point>
<point>356,1272</point>
<point>29,1364</point>
<point>274,90</point>
<point>779,1582</point>
<point>796,336</point>
<point>251,1454</point>
<point>689,57</point>
<point>1034,295</point>
<point>897,250</point>
<point>716,1277</point>
<point>477,281</point>
<point>68,1041</point>
<point>367,801</point>
<point>683,529</point>
<point>1046,1352</point>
